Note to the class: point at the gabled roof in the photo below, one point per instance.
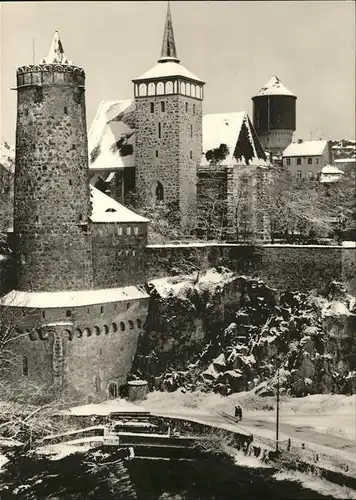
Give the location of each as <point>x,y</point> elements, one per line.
<point>167,69</point>
<point>111,136</point>
<point>106,209</point>
<point>237,132</point>
<point>307,148</point>
<point>274,87</point>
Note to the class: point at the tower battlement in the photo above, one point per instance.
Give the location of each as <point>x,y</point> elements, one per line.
<point>50,74</point>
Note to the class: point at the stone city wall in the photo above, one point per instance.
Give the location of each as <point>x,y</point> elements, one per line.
<point>83,353</point>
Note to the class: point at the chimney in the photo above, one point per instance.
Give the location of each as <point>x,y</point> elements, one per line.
<point>300,141</point>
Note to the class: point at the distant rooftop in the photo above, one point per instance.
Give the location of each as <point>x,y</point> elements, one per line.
<point>305,148</point>
<point>274,87</point>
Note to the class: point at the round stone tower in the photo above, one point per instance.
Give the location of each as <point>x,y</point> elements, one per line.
<point>51,193</point>
<point>274,112</point>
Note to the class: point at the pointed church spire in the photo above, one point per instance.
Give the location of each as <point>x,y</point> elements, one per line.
<point>56,53</point>
<point>169,51</point>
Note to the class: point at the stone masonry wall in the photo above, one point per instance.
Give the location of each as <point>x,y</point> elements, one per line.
<point>51,191</point>
<point>118,258</point>
<point>84,353</point>
<point>173,166</point>
<point>302,268</point>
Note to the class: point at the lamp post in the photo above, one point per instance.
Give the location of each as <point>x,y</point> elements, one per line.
<point>277,412</point>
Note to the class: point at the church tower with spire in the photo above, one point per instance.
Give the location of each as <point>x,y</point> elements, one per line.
<point>51,192</point>
<point>168,145</point>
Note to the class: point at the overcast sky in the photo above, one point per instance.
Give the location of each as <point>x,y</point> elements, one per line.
<point>234,46</point>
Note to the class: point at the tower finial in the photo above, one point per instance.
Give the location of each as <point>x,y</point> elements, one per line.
<point>56,53</point>
<point>169,51</point>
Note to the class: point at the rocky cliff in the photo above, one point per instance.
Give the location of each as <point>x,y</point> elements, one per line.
<point>229,333</point>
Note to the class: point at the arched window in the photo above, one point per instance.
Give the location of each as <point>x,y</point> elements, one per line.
<point>97,383</point>
<point>187,89</point>
<point>106,329</point>
<point>24,366</point>
<point>112,390</point>
<point>192,91</point>
<point>139,323</point>
<point>122,326</point>
<point>169,88</point>
<point>96,330</point>
<point>131,324</point>
<point>160,88</point>
<point>142,90</point>
<point>78,332</point>
<point>175,86</point>
<point>151,89</point>
<point>182,88</point>
<point>114,327</point>
<point>87,332</point>
<point>159,192</point>
<point>69,333</point>
<point>198,93</point>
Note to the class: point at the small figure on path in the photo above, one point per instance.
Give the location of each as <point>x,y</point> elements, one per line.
<point>238,412</point>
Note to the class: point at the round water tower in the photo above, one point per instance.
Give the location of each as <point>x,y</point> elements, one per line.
<point>274,116</point>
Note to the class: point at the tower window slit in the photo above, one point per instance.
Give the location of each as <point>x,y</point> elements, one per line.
<point>186,107</point>
<point>163,106</point>
<point>152,107</point>
<point>159,130</point>
<point>65,110</point>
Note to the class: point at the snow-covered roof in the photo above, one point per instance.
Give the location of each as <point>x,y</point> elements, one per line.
<point>330,174</point>
<point>167,69</point>
<point>305,148</point>
<point>52,300</point>
<point>106,209</point>
<point>330,169</point>
<point>274,87</point>
<point>111,136</point>
<point>7,156</point>
<point>345,160</point>
<point>237,132</point>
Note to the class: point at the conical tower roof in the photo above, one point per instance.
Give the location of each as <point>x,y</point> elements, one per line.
<point>168,64</point>
<point>56,53</point>
<point>169,51</point>
<point>274,87</point>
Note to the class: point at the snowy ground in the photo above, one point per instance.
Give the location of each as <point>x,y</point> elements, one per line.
<point>324,422</point>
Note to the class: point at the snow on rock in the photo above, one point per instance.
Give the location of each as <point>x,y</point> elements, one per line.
<point>7,156</point>
<point>238,351</point>
<point>179,285</point>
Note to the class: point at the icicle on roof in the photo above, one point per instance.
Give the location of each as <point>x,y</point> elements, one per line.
<point>274,87</point>
<point>169,51</point>
<point>56,53</point>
